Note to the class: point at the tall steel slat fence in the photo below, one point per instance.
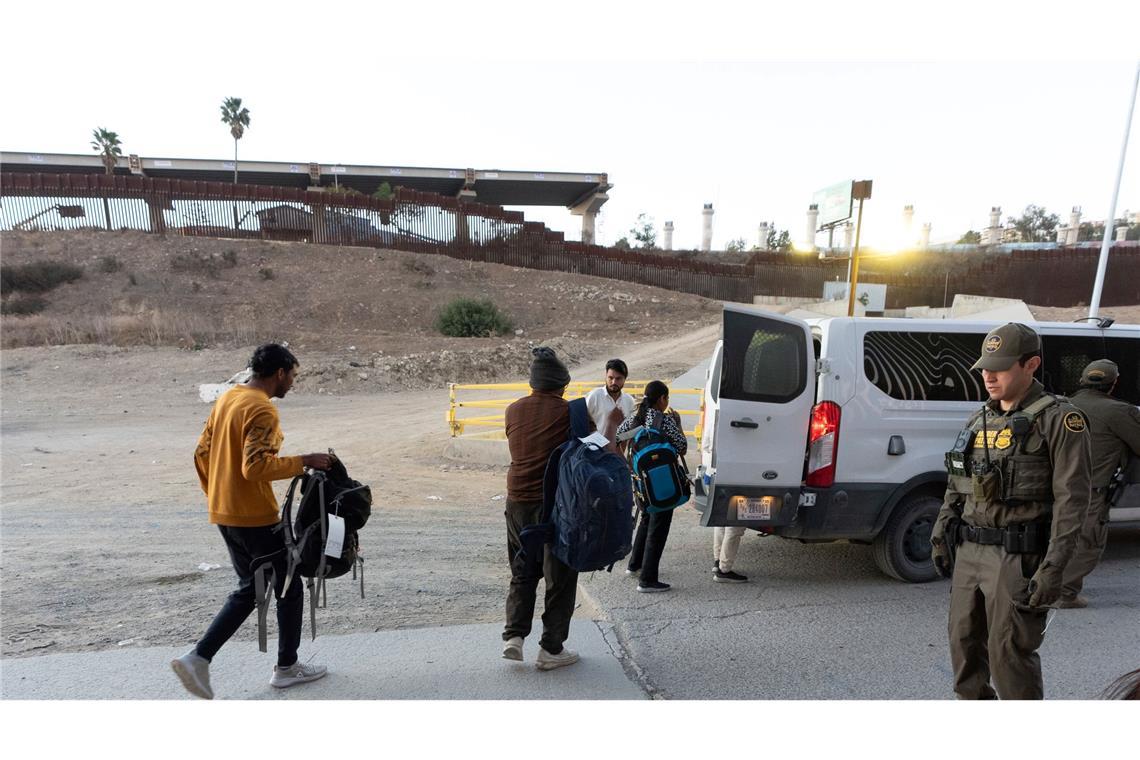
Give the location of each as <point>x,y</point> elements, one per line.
<point>429,223</point>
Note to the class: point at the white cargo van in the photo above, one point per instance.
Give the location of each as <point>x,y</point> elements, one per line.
<point>836,428</point>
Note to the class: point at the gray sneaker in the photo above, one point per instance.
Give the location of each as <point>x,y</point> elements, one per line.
<point>194,672</point>
<point>548,661</point>
<point>296,673</point>
<point>512,649</point>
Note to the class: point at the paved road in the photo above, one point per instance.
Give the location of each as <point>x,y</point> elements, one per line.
<point>821,622</point>
<point>452,662</point>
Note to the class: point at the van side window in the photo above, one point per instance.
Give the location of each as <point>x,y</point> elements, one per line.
<point>1064,357</point>
<point>1126,353</point>
<point>764,360</point>
<point>924,366</point>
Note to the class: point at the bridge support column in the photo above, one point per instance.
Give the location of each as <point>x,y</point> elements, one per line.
<point>588,208</point>
<point>462,228</point>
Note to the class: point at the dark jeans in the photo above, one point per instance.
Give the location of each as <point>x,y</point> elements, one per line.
<point>561,585</point>
<point>649,542</point>
<point>245,545</point>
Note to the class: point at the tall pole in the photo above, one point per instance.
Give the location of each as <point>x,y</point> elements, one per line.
<point>1102,263</point>
<point>854,263</point>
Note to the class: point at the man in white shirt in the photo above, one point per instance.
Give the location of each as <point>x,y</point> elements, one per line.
<point>607,405</point>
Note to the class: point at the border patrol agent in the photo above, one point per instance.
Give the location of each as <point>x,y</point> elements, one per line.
<point>1114,427</point>
<point>1018,491</point>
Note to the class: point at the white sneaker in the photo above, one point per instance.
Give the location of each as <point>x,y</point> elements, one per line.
<point>296,673</point>
<point>548,661</point>
<point>512,649</point>
<point>194,672</point>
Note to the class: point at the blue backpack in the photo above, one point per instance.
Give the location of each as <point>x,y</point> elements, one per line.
<point>659,472</point>
<point>593,501</point>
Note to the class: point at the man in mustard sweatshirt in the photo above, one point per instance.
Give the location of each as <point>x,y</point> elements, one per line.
<point>237,461</point>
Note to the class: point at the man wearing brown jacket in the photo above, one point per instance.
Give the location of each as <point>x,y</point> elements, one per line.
<point>1017,493</point>
<point>535,426</point>
<point>1114,427</point>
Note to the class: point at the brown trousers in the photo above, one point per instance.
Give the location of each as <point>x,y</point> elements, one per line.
<point>993,633</point>
<point>1090,546</point>
<point>561,585</point>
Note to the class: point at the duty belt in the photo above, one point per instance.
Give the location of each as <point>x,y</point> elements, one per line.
<point>1019,538</point>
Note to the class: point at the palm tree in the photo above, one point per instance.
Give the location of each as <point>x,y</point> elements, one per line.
<point>106,143</point>
<point>238,119</point>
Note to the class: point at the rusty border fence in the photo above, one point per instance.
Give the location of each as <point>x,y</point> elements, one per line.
<point>428,223</point>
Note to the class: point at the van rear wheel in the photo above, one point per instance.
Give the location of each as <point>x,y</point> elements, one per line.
<point>902,548</point>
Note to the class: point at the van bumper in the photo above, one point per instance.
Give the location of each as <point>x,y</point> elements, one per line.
<point>845,511</point>
<point>719,509</point>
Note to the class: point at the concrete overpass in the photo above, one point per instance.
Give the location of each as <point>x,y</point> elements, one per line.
<point>582,194</point>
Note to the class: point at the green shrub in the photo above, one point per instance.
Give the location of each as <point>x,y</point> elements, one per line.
<point>230,258</point>
<point>17,305</point>
<point>109,264</point>
<point>266,273</point>
<point>37,277</point>
<point>469,318</point>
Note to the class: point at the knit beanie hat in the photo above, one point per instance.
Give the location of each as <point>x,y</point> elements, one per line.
<point>547,373</point>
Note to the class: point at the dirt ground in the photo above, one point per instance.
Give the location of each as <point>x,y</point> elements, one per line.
<point>364,318</point>
<point>104,529</point>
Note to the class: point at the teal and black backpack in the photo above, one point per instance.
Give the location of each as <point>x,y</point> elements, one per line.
<point>659,473</point>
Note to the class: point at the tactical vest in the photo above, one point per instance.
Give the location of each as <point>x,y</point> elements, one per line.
<point>991,461</point>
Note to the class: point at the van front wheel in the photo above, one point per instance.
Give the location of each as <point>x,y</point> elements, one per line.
<point>902,549</point>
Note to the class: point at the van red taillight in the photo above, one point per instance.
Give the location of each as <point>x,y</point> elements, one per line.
<point>823,442</point>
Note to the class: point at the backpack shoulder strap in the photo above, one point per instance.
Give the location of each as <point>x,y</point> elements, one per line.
<point>579,418</point>
<point>550,482</point>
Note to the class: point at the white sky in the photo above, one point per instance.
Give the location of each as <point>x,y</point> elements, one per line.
<point>680,108</point>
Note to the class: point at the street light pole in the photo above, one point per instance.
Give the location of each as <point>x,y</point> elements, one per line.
<point>860,191</point>
<point>1102,262</point>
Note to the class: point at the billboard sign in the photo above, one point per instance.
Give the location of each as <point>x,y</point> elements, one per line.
<point>872,295</point>
<point>834,203</point>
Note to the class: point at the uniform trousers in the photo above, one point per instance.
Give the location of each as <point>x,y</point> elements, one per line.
<point>994,634</point>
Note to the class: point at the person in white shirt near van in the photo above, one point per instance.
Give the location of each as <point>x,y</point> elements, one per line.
<point>726,542</point>
<point>608,405</point>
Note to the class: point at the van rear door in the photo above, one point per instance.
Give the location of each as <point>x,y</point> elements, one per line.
<point>767,388</point>
<point>709,407</point>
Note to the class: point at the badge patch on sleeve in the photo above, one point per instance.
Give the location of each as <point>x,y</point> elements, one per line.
<point>1074,422</point>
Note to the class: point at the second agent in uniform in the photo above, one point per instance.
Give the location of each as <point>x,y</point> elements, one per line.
<point>1018,491</point>
<point>1114,427</point>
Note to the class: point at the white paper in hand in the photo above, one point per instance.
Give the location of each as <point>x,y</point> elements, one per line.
<point>595,438</point>
<point>334,544</point>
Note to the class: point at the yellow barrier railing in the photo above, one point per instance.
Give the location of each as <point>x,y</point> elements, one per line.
<point>491,425</point>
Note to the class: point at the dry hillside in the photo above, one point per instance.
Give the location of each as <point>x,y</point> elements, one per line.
<point>360,318</point>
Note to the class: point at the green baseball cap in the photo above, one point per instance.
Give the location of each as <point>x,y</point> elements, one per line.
<point>1100,372</point>
<point>1004,345</point>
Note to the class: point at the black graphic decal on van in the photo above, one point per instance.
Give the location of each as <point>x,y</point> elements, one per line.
<point>924,366</point>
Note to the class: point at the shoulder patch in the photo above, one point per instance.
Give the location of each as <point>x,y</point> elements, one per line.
<point>1075,423</point>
